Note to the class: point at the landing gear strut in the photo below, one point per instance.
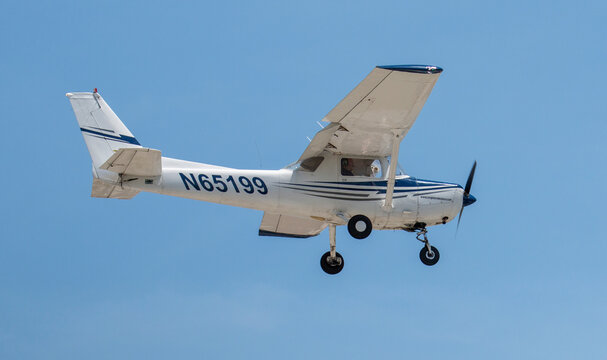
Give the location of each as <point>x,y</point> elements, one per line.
<point>332,262</point>
<point>429,255</point>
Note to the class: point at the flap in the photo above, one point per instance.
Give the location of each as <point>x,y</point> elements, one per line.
<point>135,161</point>
<point>289,226</point>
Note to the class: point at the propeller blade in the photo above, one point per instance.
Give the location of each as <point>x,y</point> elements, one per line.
<point>470,178</point>
<point>459,218</point>
<point>468,199</point>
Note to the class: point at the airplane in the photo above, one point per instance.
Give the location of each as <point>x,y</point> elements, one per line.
<point>348,174</point>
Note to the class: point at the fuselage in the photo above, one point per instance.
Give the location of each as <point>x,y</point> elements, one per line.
<point>308,194</point>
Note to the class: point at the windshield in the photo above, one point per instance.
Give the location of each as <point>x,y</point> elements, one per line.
<point>400,171</point>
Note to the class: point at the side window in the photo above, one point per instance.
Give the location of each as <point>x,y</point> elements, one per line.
<point>361,167</point>
<point>311,164</point>
<point>376,169</point>
<point>347,167</point>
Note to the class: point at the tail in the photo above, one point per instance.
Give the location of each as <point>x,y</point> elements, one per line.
<point>103,131</point>
<point>112,147</point>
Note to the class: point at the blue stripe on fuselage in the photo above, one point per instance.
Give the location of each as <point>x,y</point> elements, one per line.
<point>379,188</point>
<point>406,182</point>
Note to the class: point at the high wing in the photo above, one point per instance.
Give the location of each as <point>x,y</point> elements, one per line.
<point>378,112</point>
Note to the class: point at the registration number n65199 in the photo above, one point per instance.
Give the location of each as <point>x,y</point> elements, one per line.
<point>216,182</point>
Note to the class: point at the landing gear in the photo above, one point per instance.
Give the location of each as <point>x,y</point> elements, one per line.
<point>332,262</point>
<point>331,265</point>
<point>359,226</point>
<point>429,255</point>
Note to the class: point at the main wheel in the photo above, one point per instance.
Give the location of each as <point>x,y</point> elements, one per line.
<point>329,266</point>
<point>359,226</point>
<point>429,258</point>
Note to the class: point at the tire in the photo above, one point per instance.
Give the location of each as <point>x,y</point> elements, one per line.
<point>360,226</point>
<point>425,257</point>
<point>331,269</point>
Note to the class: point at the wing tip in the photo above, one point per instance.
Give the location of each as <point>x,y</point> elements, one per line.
<point>418,69</point>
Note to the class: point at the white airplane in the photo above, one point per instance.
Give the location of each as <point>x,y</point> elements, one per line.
<point>348,174</point>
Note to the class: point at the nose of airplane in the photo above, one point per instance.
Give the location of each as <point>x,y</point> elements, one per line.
<point>469,199</point>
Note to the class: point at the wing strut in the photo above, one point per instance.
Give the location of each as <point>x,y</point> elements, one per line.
<point>393,165</point>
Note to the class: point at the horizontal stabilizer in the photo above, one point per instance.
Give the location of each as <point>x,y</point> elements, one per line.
<point>135,161</point>
<point>289,226</point>
<point>105,190</point>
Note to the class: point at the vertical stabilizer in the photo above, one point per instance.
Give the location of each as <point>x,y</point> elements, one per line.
<point>102,130</point>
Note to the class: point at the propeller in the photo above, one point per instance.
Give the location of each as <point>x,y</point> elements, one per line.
<point>468,199</point>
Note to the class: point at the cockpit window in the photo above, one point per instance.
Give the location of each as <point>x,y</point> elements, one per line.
<point>361,167</point>
<point>311,164</point>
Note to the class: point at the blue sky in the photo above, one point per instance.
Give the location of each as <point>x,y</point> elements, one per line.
<point>242,84</point>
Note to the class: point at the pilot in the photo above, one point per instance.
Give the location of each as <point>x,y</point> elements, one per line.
<point>346,167</point>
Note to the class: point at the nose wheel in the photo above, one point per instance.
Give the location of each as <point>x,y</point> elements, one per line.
<point>429,255</point>
<point>332,262</point>
<point>331,265</point>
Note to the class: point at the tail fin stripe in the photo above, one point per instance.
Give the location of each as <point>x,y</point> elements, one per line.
<point>121,138</point>
<point>108,130</point>
<point>105,138</point>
